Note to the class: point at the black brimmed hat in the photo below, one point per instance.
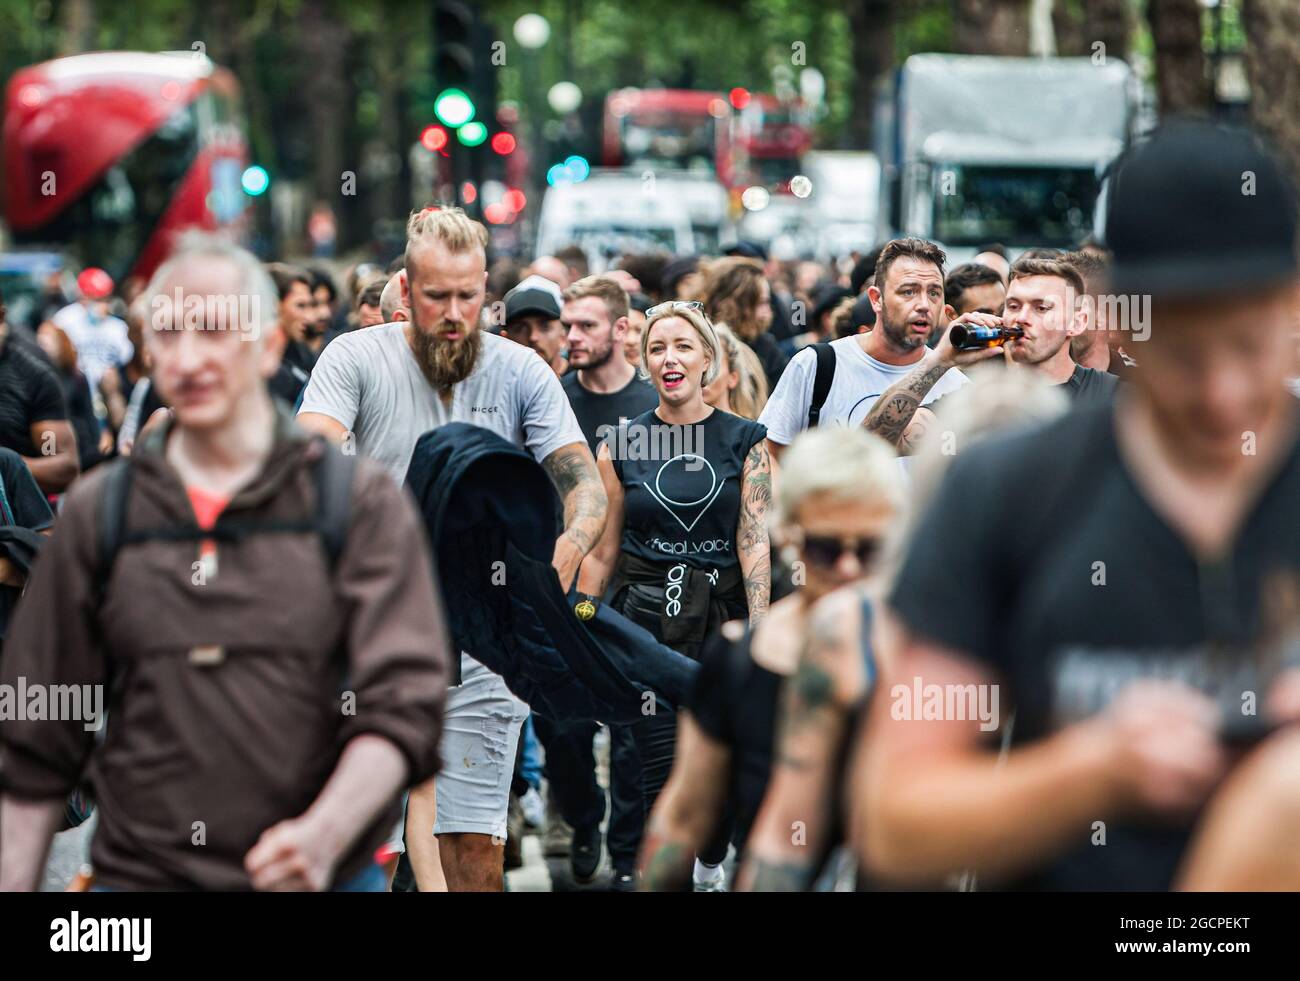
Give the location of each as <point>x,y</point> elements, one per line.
<point>1200,208</point>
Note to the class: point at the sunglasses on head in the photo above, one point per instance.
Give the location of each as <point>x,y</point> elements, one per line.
<point>674,305</point>
<point>827,550</point>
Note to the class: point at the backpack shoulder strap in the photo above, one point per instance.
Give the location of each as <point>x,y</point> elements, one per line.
<point>822,383</point>
<point>112,514</point>
<point>334,474</point>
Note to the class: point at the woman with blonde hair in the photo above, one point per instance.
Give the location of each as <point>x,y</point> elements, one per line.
<point>688,488</point>
<point>840,492</point>
<point>741,386</point>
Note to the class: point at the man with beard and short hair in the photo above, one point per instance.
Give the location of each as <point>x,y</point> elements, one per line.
<point>533,320</point>
<point>605,391</point>
<point>1045,301</point>
<point>908,299</point>
<point>384,388</point>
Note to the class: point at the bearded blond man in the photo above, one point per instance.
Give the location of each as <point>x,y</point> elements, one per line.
<point>385,387</point>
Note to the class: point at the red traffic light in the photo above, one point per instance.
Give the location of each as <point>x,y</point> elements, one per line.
<point>739,98</point>
<point>434,138</point>
<point>503,143</point>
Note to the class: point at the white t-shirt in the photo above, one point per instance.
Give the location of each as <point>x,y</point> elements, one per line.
<point>369,381</point>
<point>100,345</point>
<point>859,380</point>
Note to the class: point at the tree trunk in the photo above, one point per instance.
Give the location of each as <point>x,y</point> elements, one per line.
<point>324,40</point>
<point>76,26</point>
<point>872,26</point>
<point>1273,67</point>
<point>1181,82</point>
<point>1109,22</point>
<point>994,27</point>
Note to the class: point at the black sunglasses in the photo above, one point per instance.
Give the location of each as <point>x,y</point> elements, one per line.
<point>826,550</point>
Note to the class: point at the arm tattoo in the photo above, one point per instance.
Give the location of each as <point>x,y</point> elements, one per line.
<point>890,416</point>
<point>574,474</point>
<point>751,533</point>
<point>668,865</point>
<point>812,688</point>
<point>779,876</point>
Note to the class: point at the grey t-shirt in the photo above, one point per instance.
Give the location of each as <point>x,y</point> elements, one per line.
<point>369,381</point>
<point>859,380</point>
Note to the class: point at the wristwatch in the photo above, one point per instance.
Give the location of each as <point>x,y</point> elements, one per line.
<point>585,608</point>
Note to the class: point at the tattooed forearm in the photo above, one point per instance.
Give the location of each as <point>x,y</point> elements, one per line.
<point>751,531</point>
<point>573,471</point>
<point>779,876</point>
<point>758,587</point>
<point>666,865</point>
<point>894,410</point>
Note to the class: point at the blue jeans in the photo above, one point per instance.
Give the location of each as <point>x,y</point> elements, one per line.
<point>530,765</point>
<point>370,879</point>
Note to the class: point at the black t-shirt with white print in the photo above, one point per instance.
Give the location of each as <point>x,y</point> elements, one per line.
<point>681,486</point>
<point>1041,557</point>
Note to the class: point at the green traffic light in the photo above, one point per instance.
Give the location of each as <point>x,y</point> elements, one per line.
<point>453,108</point>
<point>472,134</point>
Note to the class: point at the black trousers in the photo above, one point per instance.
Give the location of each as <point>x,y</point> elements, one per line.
<point>571,772</point>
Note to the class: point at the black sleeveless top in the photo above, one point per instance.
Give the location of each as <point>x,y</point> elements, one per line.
<point>681,487</point>
<point>736,701</point>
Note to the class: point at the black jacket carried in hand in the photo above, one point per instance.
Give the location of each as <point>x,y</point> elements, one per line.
<point>490,510</point>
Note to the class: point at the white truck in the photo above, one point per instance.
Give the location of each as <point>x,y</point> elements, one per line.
<point>845,197</point>
<point>614,212</point>
<point>979,149</point>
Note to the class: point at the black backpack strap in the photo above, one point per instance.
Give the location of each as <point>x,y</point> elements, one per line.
<point>112,514</point>
<point>822,383</point>
<point>334,474</point>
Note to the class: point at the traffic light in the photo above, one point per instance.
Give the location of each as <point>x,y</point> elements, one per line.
<point>255,180</point>
<point>466,86</point>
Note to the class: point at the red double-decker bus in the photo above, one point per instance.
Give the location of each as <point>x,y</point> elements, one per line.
<point>108,156</point>
<point>669,129</point>
<point>772,136</point>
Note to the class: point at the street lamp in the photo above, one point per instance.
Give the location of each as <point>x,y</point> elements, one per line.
<point>564,97</point>
<point>532,31</point>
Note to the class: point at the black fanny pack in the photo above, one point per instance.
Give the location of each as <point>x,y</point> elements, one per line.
<point>678,599</point>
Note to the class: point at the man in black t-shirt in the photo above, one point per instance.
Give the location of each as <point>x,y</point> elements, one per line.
<point>1107,586</point>
<point>22,506</point>
<point>604,390</point>
<point>1045,301</point>
<point>33,413</point>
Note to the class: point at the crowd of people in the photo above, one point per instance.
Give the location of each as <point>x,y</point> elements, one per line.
<point>1017,614</point>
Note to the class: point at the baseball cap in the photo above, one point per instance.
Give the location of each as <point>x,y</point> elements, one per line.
<point>748,250</point>
<point>1200,208</point>
<point>534,295</point>
<point>94,284</point>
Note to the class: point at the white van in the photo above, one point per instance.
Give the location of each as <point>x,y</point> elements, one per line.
<point>610,214</point>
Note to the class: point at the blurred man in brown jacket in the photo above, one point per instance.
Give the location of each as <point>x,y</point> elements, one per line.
<point>275,664</point>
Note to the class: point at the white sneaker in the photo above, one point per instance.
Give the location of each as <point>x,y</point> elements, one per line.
<point>709,878</point>
<point>533,808</point>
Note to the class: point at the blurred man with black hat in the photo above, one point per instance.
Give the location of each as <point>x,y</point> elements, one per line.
<point>1134,590</point>
<point>533,320</point>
